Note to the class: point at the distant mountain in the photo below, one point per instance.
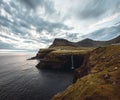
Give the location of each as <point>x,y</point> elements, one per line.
<point>104,34</point>
<point>85,43</point>
<point>93,43</point>
<point>63,42</point>
<point>90,43</point>
<point>114,41</point>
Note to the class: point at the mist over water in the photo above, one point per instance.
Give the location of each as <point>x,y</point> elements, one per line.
<point>21,80</point>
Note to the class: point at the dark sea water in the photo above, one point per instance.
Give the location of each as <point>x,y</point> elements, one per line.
<point>21,80</point>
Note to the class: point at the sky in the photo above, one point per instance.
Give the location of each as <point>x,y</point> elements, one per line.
<point>34,24</point>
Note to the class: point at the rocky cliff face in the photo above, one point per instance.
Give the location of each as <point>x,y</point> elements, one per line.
<point>58,55</point>
<point>62,57</point>
<point>98,77</point>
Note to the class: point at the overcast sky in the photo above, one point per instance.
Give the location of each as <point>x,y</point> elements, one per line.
<point>33,24</point>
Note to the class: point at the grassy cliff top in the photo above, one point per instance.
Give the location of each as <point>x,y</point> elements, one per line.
<point>64,50</point>
<point>102,81</point>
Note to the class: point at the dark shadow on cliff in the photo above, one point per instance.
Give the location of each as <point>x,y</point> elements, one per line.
<point>65,63</point>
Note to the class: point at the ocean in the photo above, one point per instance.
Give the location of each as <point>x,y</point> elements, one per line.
<point>21,80</point>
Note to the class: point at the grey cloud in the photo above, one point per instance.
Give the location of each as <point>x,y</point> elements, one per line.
<point>97,8</point>
<point>105,33</point>
<point>45,40</point>
<point>23,21</point>
<point>92,9</point>
<point>13,26</point>
<point>73,36</point>
<point>7,37</point>
<point>23,15</point>
<point>6,46</point>
<point>4,21</point>
<point>5,6</point>
<point>51,27</point>
<point>48,5</point>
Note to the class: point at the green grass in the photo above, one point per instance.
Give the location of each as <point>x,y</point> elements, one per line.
<point>64,50</point>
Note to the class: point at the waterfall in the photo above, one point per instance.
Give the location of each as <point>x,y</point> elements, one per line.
<point>72,63</point>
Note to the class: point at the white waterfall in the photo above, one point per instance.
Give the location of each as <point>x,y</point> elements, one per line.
<point>72,62</point>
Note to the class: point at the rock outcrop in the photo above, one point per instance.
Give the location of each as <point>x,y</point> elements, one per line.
<point>98,78</point>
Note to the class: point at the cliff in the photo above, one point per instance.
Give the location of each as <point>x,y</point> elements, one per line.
<point>62,57</point>
<point>98,78</point>
<point>61,53</point>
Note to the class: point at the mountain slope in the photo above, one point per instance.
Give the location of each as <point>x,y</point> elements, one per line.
<point>114,41</point>
<point>62,42</point>
<point>99,77</point>
<point>85,42</point>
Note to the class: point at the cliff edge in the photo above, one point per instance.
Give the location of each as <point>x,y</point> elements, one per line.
<point>62,57</point>
<point>98,78</point>
<point>62,53</point>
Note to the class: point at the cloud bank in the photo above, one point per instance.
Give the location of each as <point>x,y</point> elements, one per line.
<point>34,24</point>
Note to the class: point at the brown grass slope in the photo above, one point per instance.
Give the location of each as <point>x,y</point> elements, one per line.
<point>101,80</point>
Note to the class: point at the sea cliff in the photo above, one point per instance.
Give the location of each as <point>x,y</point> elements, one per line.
<point>96,67</point>
<point>98,78</point>
<point>62,57</point>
